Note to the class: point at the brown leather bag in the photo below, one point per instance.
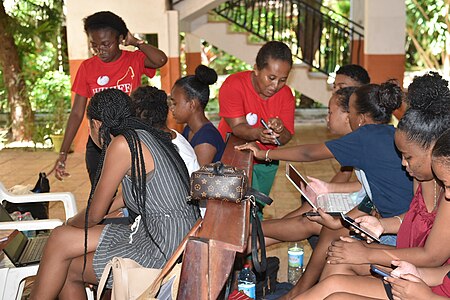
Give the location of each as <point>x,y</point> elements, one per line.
<point>218,182</point>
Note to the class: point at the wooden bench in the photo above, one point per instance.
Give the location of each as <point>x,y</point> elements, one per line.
<point>209,255</point>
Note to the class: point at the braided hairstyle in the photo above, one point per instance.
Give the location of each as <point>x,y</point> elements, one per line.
<point>105,20</point>
<point>150,104</point>
<point>428,113</point>
<point>113,108</point>
<point>197,86</point>
<point>379,100</point>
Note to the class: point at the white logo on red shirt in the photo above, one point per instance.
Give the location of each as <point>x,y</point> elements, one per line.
<point>102,80</point>
<point>251,118</point>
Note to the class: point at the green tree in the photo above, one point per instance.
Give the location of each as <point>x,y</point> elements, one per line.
<point>35,39</point>
<point>428,34</point>
<point>21,115</point>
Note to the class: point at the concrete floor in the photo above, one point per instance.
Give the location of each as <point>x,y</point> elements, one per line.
<point>21,167</point>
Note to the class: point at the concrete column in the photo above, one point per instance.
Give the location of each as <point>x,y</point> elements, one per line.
<point>171,71</point>
<point>192,52</point>
<point>384,47</point>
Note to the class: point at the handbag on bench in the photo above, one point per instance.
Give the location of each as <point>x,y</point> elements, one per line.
<point>221,182</point>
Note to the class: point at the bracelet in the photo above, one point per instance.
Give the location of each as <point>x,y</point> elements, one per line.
<point>267,156</point>
<point>62,153</point>
<point>139,43</point>
<point>399,218</point>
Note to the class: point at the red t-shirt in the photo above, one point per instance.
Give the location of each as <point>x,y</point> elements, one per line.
<point>124,74</point>
<point>238,98</point>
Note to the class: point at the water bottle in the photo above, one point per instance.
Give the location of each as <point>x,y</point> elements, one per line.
<point>16,215</point>
<point>28,217</point>
<point>247,282</point>
<point>295,263</point>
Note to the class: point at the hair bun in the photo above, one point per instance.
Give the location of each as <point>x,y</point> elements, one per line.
<point>205,74</point>
<point>390,96</point>
<point>429,93</point>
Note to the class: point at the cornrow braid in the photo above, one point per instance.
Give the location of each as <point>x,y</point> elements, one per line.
<point>113,108</point>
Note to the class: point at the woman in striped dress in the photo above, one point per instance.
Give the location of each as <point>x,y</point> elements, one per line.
<point>155,185</point>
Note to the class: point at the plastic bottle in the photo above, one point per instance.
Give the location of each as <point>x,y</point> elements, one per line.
<point>16,215</point>
<point>247,282</point>
<point>295,263</point>
<point>27,217</point>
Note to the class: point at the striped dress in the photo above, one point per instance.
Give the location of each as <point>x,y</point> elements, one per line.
<point>168,216</point>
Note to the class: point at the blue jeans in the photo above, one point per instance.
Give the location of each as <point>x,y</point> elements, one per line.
<point>388,239</point>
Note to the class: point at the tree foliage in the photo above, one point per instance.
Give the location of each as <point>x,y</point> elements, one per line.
<point>39,37</point>
<point>427,34</point>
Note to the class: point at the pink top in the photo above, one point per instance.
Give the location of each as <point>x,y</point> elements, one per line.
<point>417,223</point>
<point>444,288</point>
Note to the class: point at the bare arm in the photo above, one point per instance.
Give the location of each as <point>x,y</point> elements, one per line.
<point>155,57</point>
<point>435,251</point>
<point>205,153</point>
<point>300,153</point>
<point>112,173</point>
<point>343,175</point>
<point>73,124</point>
<point>242,130</point>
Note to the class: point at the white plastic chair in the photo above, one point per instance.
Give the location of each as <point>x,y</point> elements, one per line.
<point>12,280</point>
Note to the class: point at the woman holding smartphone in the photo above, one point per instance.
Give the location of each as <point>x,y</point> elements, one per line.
<point>406,281</point>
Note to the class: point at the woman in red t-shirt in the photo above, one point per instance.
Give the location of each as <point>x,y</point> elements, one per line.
<point>110,67</point>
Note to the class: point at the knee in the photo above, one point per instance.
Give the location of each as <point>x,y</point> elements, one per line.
<point>337,296</point>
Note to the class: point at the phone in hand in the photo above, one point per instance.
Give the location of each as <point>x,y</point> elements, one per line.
<point>315,214</point>
<point>355,225</point>
<point>267,127</point>
<point>380,271</point>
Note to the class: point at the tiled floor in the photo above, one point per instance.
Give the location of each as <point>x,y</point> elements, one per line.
<point>19,167</point>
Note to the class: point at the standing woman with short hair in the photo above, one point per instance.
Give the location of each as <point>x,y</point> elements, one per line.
<point>110,67</point>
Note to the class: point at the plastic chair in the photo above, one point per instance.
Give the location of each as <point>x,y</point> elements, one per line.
<point>12,279</point>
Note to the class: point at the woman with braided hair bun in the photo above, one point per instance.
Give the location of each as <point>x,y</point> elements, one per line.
<point>155,185</point>
<point>190,95</point>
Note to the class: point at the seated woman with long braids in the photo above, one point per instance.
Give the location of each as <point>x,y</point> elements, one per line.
<point>155,185</point>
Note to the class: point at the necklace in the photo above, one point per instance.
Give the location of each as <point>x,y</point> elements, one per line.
<point>436,195</point>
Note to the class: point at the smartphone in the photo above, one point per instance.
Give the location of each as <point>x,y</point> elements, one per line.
<point>315,214</point>
<point>380,271</point>
<point>267,127</point>
<point>355,225</point>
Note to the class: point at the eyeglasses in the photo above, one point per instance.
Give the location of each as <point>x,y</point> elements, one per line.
<point>103,47</point>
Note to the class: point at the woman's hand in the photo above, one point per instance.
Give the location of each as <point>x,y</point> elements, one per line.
<point>326,220</point>
<point>130,40</point>
<point>257,153</point>
<point>370,223</point>
<point>347,250</point>
<point>410,287</point>
<point>268,136</point>
<point>276,124</point>
<point>319,186</point>
<point>60,167</point>
<point>404,268</point>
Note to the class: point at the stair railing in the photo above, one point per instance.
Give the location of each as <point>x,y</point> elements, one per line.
<point>316,35</point>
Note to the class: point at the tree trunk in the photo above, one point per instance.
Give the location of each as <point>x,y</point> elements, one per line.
<point>21,116</point>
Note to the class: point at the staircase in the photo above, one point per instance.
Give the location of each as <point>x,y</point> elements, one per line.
<point>244,25</point>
